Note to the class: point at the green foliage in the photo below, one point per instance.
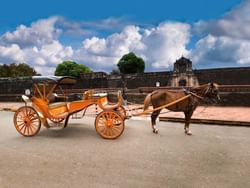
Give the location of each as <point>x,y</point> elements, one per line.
<point>71,68</point>
<point>130,63</point>
<point>16,70</point>
<point>115,72</point>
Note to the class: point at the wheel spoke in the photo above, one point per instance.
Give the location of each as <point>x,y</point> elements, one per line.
<point>28,130</point>
<point>113,132</point>
<point>102,120</point>
<point>118,129</point>
<point>33,125</point>
<point>23,126</point>
<point>24,131</point>
<point>31,130</point>
<point>104,131</point>
<point>108,132</point>
<point>101,128</point>
<point>33,118</point>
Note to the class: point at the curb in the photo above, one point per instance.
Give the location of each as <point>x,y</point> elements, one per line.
<point>9,109</point>
<point>208,121</point>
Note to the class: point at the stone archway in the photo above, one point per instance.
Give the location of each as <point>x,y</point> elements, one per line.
<point>183,74</point>
<point>182,82</point>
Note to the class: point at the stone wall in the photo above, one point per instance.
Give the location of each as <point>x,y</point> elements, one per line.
<point>224,76</point>
<point>130,81</point>
<point>12,89</point>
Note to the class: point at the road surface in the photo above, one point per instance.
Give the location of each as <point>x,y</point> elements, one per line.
<point>215,156</point>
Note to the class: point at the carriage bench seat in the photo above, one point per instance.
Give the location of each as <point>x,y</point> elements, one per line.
<point>59,110</point>
<point>100,95</point>
<point>57,105</point>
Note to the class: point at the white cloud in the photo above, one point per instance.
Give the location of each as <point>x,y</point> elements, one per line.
<point>104,53</point>
<point>226,41</point>
<point>164,44</point>
<point>49,55</point>
<point>159,46</point>
<point>39,33</point>
<point>222,42</point>
<point>222,51</point>
<point>11,54</point>
<point>36,45</point>
<point>233,24</point>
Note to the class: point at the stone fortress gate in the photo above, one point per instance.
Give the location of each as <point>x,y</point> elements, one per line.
<point>183,74</point>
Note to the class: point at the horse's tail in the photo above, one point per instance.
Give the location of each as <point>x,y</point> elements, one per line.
<point>147,101</point>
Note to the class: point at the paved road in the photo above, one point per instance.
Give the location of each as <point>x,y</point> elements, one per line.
<point>214,156</point>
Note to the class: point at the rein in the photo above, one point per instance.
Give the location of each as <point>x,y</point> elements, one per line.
<point>194,94</point>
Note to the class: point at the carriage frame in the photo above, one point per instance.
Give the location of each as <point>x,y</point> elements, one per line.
<point>44,106</point>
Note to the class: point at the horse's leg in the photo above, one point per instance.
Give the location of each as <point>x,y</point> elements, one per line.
<point>154,115</point>
<point>188,116</point>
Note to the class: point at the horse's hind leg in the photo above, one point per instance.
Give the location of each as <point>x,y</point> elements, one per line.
<point>154,115</point>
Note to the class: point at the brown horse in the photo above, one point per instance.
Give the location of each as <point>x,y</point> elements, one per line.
<point>161,97</point>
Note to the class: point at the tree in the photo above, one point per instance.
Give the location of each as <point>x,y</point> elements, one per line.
<point>16,70</point>
<point>130,63</point>
<point>71,68</point>
<point>115,72</point>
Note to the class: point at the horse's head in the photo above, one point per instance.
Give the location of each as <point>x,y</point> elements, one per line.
<point>212,92</point>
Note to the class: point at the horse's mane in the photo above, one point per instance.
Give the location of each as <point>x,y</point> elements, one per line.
<point>203,88</point>
<point>200,90</point>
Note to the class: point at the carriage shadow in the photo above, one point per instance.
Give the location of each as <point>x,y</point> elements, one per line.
<point>74,130</point>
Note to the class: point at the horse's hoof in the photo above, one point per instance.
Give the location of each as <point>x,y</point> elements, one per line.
<point>155,131</point>
<point>189,133</point>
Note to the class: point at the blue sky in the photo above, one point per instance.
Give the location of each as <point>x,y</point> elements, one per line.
<point>97,33</point>
<point>16,12</point>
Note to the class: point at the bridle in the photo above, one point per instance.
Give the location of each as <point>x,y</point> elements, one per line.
<point>209,93</point>
<point>212,92</point>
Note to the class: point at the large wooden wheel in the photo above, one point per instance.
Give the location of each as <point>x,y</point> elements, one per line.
<point>27,121</point>
<point>109,124</point>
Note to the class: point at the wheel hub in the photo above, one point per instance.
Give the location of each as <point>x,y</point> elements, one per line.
<point>109,123</point>
<point>27,121</point>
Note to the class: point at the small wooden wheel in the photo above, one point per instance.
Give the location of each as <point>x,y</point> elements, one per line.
<point>27,121</point>
<point>109,124</point>
<point>122,112</point>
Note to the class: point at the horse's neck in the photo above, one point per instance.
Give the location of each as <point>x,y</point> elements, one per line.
<point>201,90</point>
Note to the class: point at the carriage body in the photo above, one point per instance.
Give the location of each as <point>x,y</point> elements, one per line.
<point>49,105</point>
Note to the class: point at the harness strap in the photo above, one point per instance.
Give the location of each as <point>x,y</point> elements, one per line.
<point>164,106</point>
<point>194,94</point>
<point>187,92</point>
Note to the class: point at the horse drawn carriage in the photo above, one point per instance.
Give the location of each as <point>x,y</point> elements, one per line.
<point>44,106</point>
<point>109,123</point>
